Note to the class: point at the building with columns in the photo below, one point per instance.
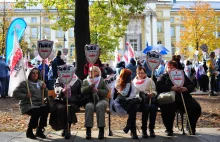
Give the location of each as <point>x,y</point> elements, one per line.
<point>158,23</point>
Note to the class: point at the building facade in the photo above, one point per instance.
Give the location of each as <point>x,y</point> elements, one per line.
<point>158,23</point>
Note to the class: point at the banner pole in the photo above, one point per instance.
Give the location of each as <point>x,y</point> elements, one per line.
<point>67,108</point>
<point>190,129</point>
<point>43,76</point>
<point>26,82</point>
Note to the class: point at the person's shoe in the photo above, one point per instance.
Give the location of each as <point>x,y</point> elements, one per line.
<point>126,129</point>
<point>30,134</point>
<point>152,134</point>
<point>101,133</point>
<point>67,134</point>
<point>213,94</point>
<point>134,134</point>
<point>169,133</point>
<point>63,133</point>
<point>88,133</point>
<point>144,134</point>
<point>40,133</point>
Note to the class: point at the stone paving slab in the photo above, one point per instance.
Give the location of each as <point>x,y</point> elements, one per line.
<point>203,135</point>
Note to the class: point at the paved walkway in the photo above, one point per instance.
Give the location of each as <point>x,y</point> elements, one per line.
<point>203,135</point>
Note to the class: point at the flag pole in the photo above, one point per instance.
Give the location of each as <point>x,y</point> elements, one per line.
<point>67,107</point>
<point>43,70</point>
<point>26,81</point>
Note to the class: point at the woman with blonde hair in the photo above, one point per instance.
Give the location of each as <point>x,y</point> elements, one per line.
<point>95,87</point>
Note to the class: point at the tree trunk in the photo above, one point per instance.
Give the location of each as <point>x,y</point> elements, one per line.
<point>82,34</point>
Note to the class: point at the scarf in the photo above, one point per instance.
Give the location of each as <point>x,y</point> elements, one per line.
<point>95,80</point>
<point>37,84</point>
<point>142,84</point>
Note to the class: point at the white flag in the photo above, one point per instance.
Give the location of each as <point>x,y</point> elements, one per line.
<point>17,73</point>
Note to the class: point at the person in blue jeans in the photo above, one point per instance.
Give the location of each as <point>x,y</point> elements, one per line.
<point>3,76</point>
<point>147,91</point>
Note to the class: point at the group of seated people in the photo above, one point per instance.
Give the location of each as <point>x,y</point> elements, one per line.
<point>140,95</point>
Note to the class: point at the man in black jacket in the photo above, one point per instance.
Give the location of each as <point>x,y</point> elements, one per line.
<point>57,62</point>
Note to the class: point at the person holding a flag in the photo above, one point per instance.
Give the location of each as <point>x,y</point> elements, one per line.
<point>31,103</point>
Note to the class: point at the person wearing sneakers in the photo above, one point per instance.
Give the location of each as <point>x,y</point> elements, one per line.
<point>37,110</point>
<point>164,84</point>
<point>142,84</point>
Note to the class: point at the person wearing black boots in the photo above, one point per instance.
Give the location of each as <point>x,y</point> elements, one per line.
<point>124,88</point>
<point>95,87</point>
<point>164,84</point>
<point>58,117</point>
<point>143,84</point>
<point>31,103</point>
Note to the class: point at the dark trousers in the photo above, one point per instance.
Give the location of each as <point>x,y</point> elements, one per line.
<point>132,116</point>
<point>204,83</point>
<point>213,83</point>
<point>3,81</point>
<point>38,114</point>
<point>168,113</point>
<point>146,111</point>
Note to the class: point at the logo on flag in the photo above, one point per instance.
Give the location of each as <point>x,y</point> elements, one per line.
<point>17,74</point>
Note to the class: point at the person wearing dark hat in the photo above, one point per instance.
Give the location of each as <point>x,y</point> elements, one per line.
<point>57,62</point>
<point>132,66</point>
<point>119,67</point>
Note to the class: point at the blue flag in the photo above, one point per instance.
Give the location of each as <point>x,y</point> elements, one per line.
<point>19,26</point>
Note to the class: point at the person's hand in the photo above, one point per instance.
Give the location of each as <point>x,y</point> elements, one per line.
<point>95,90</point>
<point>150,95</point>
<point>44,86</point>
<point>92,85</point>
<point>175,88</point>
<point>182,89</point>
<point>28,95</point>
<point>64,91</point>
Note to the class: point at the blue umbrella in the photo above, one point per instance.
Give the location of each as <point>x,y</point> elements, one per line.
<point>158,47</point>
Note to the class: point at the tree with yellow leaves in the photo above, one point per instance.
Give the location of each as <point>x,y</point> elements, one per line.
<point>200,26</point>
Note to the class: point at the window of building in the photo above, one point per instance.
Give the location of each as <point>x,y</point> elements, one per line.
<point>134,43</point>
<point>218,34</point>
<point>171,19</point>
<point>71,50</point>
<point>159,27</point>
<point>33,46</point>
<point>59,46</point>
<point>47,31</point>
<point>172,31</point>
<point>34,32</point>
<point>60,33</point>
<point>46,20</point>
<point>71,32</point>
<point>33,19</point>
